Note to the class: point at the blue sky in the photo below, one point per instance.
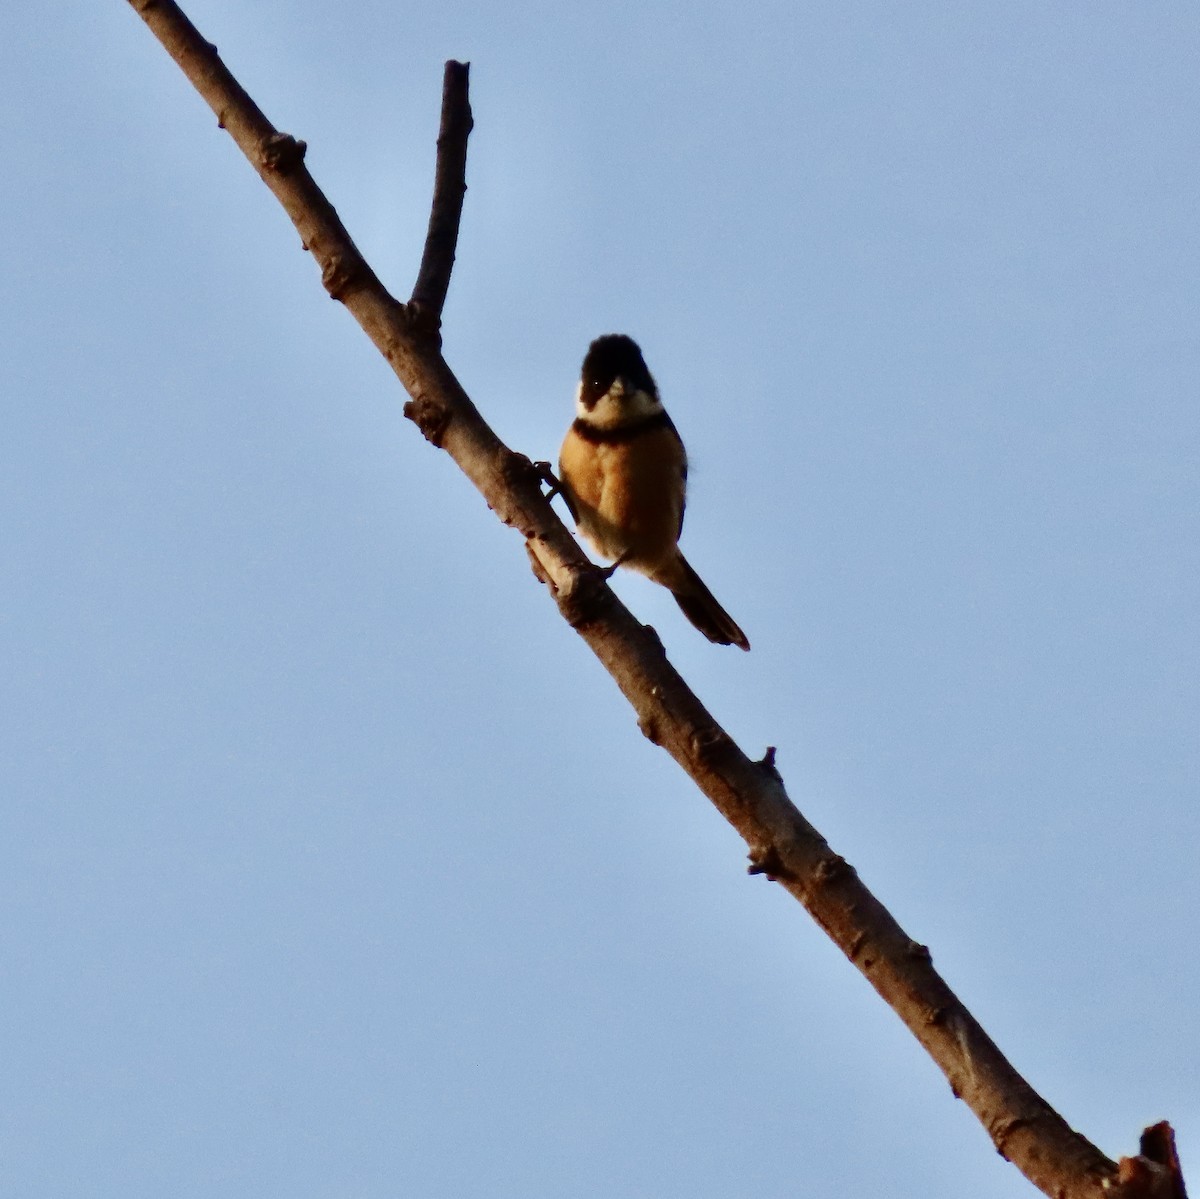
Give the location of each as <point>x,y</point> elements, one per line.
<point>331,864</point>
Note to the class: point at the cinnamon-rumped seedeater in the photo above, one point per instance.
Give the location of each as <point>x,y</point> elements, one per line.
<point>623,471</point>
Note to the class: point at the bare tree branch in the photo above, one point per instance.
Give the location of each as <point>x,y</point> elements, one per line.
<point>750,794</point>
<point>449,188</point>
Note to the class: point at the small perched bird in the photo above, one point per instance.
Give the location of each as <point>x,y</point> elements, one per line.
<point>623,472</point>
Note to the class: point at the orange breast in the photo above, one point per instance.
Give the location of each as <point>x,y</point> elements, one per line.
<point>629,495</point>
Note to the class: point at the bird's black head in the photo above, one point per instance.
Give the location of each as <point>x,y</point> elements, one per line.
<point>611,357</point>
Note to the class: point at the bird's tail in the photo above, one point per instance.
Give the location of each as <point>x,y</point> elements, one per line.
<point>700,606</point>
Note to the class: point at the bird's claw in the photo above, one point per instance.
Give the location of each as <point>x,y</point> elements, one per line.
<point>545,473</point>
<point>607,572</point>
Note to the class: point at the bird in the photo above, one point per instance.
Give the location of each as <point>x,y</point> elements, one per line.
<point>623,473</point>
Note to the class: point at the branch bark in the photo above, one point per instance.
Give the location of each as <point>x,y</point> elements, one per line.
<point>783,846</point>
<point>449,190</point>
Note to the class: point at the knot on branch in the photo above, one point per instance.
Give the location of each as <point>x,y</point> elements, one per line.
<point>281,152</point>
<point>582,600</point>
<point>767,765</point>
<point>1155,1173</point>
<point>430,416</point>
<point>648,725</point>
<point>1002,1130</point>
<point>660,649</point>
<point>766,859</point>
<point>831,868</point>
<point>521,475</point>
<point>708,744</point>
<point>515,467</point>
<point>341,274</point>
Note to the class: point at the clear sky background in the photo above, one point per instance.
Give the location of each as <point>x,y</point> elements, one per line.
<point>331,864</point>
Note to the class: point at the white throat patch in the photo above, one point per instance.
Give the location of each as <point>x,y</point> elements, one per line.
<point>617,407</point>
